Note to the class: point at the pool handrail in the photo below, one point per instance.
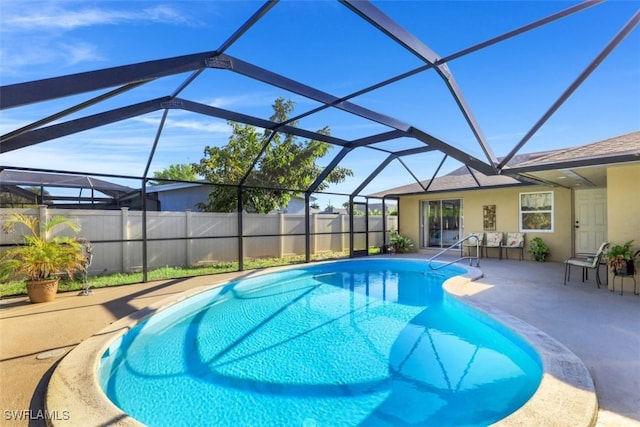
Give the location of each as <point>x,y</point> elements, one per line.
<point>458,243</point>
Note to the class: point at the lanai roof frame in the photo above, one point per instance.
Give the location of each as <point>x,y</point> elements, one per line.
<point>128,77</point>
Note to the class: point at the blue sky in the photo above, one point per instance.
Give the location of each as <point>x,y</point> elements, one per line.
<point>508,86</point>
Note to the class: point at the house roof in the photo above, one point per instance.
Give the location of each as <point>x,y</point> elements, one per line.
<point>584,165</point>
<point>12,178</point>
<point>459,179</point>
<point>175,186</point>
<point>172,186</point>
<point>607,150</point>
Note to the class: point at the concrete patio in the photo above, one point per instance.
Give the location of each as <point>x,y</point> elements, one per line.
<point>600,327</point>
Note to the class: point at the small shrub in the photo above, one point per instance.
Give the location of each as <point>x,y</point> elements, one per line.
<point>400,244</point>
<point>538,249</point>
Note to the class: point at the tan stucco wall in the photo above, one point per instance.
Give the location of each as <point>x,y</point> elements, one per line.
<point>623,204</point>
<point>560,241</point>
<point>623,209</point>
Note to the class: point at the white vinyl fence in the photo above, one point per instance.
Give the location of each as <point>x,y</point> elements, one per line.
<point>197,238</point>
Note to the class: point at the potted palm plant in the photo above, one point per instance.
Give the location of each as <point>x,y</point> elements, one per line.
<point>40,260</point>
<point>620,259</point>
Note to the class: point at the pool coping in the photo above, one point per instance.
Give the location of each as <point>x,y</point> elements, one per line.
<point>565,396</point>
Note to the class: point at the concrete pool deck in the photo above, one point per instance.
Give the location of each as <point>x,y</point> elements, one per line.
<point>600,327</point>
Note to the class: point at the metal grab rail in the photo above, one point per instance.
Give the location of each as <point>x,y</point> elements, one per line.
<point>459,242</point>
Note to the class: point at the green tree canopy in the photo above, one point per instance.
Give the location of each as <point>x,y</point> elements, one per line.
<point>286,163</point>
<point>178,172</point>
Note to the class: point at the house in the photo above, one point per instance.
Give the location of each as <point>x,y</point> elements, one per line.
<point>573,198</point>
<point>181,196</point>
<point>66,191</point>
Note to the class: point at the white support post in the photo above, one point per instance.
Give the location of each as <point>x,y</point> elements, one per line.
<point>124,224</point>
<point>343,237</point>
<point>281,237</point>
<point>314,238</point>
<point>189,234</point>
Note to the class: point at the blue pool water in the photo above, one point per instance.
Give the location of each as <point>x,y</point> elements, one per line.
<point>369,342</point>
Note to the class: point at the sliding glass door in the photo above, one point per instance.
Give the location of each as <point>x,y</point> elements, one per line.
<point>441,223</point>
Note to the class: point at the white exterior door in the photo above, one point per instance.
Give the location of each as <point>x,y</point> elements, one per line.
<point>590,207</point>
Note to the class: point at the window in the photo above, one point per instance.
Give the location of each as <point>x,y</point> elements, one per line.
<point>536,211</point>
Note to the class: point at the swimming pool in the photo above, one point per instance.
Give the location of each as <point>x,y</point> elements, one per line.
<point>366,342</point>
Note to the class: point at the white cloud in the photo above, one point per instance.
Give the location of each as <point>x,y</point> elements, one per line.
<point>8,123</point>
<point>195,125</point>
<point>80,52</point>
<point>40,156</point>
<point>39,33</point>
<point>166,14</point>
<point>120,149</point>
<point>243,100</point>
<point>55,17</point>
<point>14,62</point>
<point>49,19</point>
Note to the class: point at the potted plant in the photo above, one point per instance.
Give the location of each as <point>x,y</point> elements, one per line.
<point>620,259</point>
<point>538,249</point>
<point>40,260</point>
<point>400,244</point>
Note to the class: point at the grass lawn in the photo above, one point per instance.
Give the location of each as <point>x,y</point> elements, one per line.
<point>15,288</point>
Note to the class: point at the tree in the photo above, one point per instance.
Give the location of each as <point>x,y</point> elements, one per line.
<point>356,211</point>
<point>177,172</point>
<point>286,164</point>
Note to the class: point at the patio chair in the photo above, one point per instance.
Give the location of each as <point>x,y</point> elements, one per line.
<point>590,262</point>
<point>514,241</point>
<point>474,243</point>
<point>494,240</point>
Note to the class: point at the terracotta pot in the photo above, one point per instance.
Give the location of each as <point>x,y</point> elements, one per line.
<point>42,290</point>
